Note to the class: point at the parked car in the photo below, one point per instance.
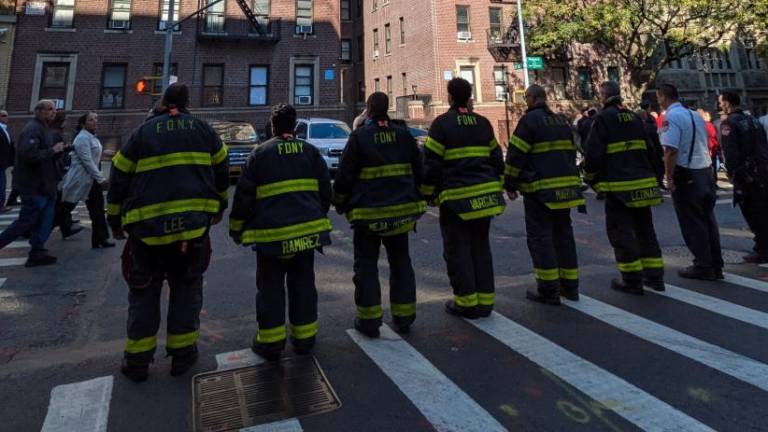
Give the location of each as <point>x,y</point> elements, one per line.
<point>418,133</point>
<point>241,138</point>
<point>328,135</point>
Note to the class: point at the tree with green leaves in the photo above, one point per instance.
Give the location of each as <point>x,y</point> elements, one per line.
<point>642,36</point>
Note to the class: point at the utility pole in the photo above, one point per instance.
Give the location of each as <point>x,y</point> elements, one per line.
<point>522,42</point>
<point>169,26</point>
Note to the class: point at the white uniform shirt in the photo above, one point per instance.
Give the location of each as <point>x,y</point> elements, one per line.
<point>677,133</point>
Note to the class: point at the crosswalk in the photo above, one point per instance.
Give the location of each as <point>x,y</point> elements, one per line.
<point>408,366</point>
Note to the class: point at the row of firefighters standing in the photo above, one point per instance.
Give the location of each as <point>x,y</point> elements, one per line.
<point>169,185</point>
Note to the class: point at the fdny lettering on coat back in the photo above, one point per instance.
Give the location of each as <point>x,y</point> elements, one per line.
<point>290,147</point>
<point>466,120</point>
<point>173,124</point>
<point>386,137</point>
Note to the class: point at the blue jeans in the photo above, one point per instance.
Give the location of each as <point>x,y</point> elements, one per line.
<point>35,217</point>
<point>3,184</point>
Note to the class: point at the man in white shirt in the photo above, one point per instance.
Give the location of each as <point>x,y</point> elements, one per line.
<point>689,177</point>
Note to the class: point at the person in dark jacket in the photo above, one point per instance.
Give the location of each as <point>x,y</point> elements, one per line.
<point>745,145</point>
<point>541,163</point>
<point>168,185</point>
<point>6,157</point>
<point>35,179</point>
<point>622,162</point>
<point>63,212</point>
<point>464,169</point>
<point>584,125</point>
<point>377,186</point>
<point>280,209</point>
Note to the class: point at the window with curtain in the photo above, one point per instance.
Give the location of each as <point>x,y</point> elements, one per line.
<point>213,85</point>
<point>113,86</point>
<point>303,84</point>
<point>214,17</point>
<point>164,6</point>
<point>63,14</point>
<point>120,15</point>
<point>259,86</point>
<point>462,18</point>
<point>261,8</point>
<point>304,15</point>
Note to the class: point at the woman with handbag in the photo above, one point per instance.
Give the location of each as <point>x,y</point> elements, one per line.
<point>84,180</point>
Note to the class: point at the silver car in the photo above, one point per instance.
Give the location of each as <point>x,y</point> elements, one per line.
<point>328,135</point>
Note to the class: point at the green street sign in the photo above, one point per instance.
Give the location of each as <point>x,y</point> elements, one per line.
<point>534,63</point>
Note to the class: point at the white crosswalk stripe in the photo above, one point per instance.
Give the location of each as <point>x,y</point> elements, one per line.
<point>628,401</point>
<point>82,407</point>
<point>713,304</point>
<point>725,361</point>
<point>746,282</point>
<point>11,262</point>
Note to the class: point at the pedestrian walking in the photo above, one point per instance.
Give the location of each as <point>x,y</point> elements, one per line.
<point>280,209</point>
<point>746,150</point>
<point>464,166</point>
<point>689,178</point>
<point>541,164</point>
<point>63,212</point>
<point>6,157</point>
<point>622,162</point>
<point>168,185</point>
<point>84,180</point>
<point>36,179</point>
<point>377,186</point>
<point>714,143</point>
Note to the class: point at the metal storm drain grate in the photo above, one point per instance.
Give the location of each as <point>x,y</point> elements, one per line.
<point>238,398</point>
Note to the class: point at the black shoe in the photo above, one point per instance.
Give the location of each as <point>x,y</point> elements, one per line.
<point>655,284</point>
<point>483,311</point>
<point>403,323</point>
<point>43,260</point>
<point>569,293</point>
<point>181,363</point>
<point>102,245</point>
<point>629,288</point>
<point>719,274</point>
<point>303,346</point>
<point>697,273</point>
<point>460,311</point>
<point>65,234</point>
<point>549,299</point>
<point>755,258</point>
<point>135,371</point>
<point>369,328</point>
<point>270,351</point>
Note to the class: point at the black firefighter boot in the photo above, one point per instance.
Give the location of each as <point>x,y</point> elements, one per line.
<point>183,361</point>
<point>654,283</point>
<point>629,286</point>
<point>303,346</point>
<point>460,311</point>
<point>136,371</point>
<point>546,293</point>
<point>368,327</point>
<point>403,323</point>
<point>271,351</point>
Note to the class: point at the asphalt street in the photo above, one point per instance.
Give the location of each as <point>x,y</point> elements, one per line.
<point>695,358</point>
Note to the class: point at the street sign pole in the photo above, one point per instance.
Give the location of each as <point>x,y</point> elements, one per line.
<point>169,25</point>
<point>522,42</point>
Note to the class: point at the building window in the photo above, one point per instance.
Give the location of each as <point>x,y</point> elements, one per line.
<point>164,6</point>
<point>113,86</point>
<point>375,5</point>
<point>402,31</point>
<point>346,50</point>
<point>157,71</point>
<point>361,92</point>
<point>753,59</point>
<point>404,77</point>
<point>261,8</point>
<point>468,73</point>
<point>375,42</point>
<point>500,83</point>
<point>387,39</point>
<point>377,85</point>
<point>585,84</point>
<point>120,15</point>
<point>345,14</point>
<point>213,85</point>
<point>360,49</point>
<point>259,86</point>
<point>495,21</point>
<point>63,14</point>
<point>303,84</point>
<point>462,22</point>
<point>559,83</point>
<point>359,8</point>
<point>54,83</point>
<point>304,16</point>
<point>389,91</point>
<point>214,17</point>
<point>613,74</point>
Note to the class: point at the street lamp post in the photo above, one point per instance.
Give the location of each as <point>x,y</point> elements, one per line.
<point>522,42</point>
<point>169,25</point>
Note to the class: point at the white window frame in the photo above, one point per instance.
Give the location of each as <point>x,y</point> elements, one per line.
<point>305,61</point>
<point>54,58</point>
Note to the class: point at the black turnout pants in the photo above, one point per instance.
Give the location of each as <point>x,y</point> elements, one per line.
<point>95,205</point>
<point>755,211</point>
<point>145,268</point>
<point>552,247</point>
<point>695,198</point>
<point>633,237</point>
<point>402,280</point>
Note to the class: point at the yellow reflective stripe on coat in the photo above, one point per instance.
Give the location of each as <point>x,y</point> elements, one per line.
<point>477,214</point>
<point>268,235</point>
<point>176,341</point>
<point>466,152</point>
<point>493,144</point>
<point>645,203</point>
<point>626,186</point>
<point>393,170</point>
<point>619,147</point>
<point>220,156</point>
<point>175,237</point>
<point>224,195</point>
<point>427,190</point>
<point>589,176</point>
<point>550,183</point>
<point>399,230</point>
<point>511,171</point>
<point>652,263</point>
<point>548,146</point>
<point>113,209</point>
<point>270,335</point>
<point>547,274</point>
<point>566,204</point>
<point>435,147</point>
<point>124,164</point>
<point>136,346</point>
<point>469,191</point>
<point>407,209</point>
<point>173,159</point>
<point>171,207</point>
<point>570,274</point>
<point>486,299</point>
<point>630,267</point>
<point>287,186</point>
<point>369,312</point>
<point>404,309</point>
<point>304,331</point>
<point>466,301</point>
<point>519,143</point>
<point>236,224</point>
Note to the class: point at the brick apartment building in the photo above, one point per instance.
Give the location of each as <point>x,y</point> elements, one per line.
<point>87,54</point>
<point>7,33</point>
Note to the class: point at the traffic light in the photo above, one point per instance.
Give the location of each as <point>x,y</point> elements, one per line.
<point>143,86</point>
<point>149,85</point>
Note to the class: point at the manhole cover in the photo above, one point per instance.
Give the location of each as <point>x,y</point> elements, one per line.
<point>238,398</point>
<point>684,255</point>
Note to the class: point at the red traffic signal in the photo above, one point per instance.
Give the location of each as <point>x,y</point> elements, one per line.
<point>143,86</point>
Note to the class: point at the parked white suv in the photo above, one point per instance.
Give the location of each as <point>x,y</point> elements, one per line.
<point>328,135</point>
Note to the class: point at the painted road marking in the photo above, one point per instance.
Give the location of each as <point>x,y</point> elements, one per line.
<point>17,245</point>
<point>724,201</point>
<point>746,282</point>
<point>628,401</point>
<point>11,262</point>
<point>82,407</point>
<point>290,425</point>
<point>712,304</point>
<point>727,362</point>
<point>441,401</point>
<point>764,265</point>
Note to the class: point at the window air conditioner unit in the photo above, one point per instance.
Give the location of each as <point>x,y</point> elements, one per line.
<point>502,96</point>
<point>304,29</point>
<point>464,35</point>
<point>375,53</point>
<point>120,25</point>
<point>304,100</point>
